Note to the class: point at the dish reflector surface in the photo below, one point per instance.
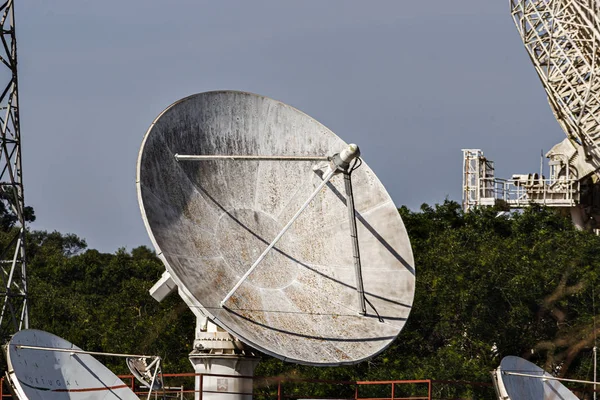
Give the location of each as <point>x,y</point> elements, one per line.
<point>518,387</point>
<point>45,374</point>
<point>210,220</point>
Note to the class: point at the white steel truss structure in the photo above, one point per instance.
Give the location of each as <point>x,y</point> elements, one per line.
<point>13,289</point>
<point>478,180</point>
<point>562,38</point>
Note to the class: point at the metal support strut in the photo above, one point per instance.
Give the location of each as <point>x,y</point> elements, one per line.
<point>340,162</point>
<point>326,179</point>
<point>362,307</point>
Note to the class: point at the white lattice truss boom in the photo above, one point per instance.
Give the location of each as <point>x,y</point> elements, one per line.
<point>562,38</point>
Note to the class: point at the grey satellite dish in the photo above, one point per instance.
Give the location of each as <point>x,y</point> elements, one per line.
<point>519,379</point>
<point>41,366</point>
<point>145,373</point>
<point>245,200</point>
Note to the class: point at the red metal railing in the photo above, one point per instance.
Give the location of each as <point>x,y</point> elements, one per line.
<point>277,385</point>
<point>393,389</point>
<point>283,388</point>
<point>4,394</point>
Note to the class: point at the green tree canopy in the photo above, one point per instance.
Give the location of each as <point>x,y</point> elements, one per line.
<point>101,302</point>
<point>489,284</point>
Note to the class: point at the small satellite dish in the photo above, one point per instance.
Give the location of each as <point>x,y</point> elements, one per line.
<point>41,366</point>
<point>145,373</point>
<point>269,223</point>
<point>519,379</point>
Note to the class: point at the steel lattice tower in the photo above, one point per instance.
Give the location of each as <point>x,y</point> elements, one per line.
<point>562,38</point>
<point>13,314</point>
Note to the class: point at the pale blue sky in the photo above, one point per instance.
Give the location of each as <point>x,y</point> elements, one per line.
<point>411,82</point>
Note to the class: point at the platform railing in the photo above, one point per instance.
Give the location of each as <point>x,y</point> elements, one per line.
<point>519,194</point>
<point>182,387</point>
<point>283,388</point>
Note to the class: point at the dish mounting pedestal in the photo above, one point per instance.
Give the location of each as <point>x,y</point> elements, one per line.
<point>216,352</point>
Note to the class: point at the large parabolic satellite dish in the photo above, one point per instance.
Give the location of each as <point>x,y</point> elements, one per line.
<point>212,218</point>
<point>44,366</point>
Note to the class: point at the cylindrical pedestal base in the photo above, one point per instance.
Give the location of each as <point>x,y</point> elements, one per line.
<point>223,387</point>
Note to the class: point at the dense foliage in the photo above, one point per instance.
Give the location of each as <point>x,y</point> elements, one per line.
<point>101,302</point>
<point>492,284</point>
<point>489,284</point>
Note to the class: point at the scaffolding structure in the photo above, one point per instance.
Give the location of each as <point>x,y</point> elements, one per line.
<point>482,188</point>
<point>478,180</point>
